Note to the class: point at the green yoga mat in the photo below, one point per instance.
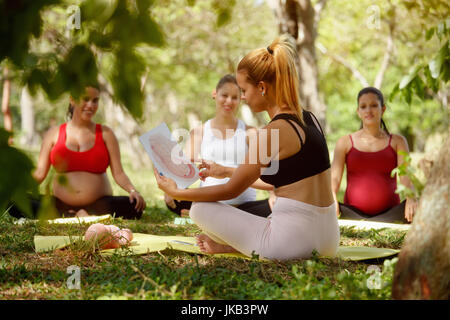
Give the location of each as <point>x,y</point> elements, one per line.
<point>146,243</point>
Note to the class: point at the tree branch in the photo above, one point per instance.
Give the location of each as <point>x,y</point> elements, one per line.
<point>318,8</point>
<point>387,54</point>
<point>344,63</point>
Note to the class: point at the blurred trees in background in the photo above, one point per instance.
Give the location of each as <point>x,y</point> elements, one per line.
<point>159,60</point>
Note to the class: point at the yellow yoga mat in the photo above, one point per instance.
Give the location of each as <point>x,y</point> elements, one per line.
<point>74,220</point>
<point>146,243</point>
<point>362,224</point>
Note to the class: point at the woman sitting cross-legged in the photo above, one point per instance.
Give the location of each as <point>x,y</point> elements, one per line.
<point>370,155</point>
<point>221,144</point>
<point>303,218</point>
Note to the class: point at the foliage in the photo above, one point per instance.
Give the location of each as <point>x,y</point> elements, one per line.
<point>15,176</point>
<point>431,75</point>
<point>406,169</point>
<point>346,31</point>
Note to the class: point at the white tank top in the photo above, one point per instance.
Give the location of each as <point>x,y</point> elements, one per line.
<point>226,152</point>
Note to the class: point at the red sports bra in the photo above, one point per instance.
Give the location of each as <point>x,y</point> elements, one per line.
<point>370,187</point>
<point>94,160</point>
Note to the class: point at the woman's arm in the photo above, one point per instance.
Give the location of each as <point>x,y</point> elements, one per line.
<point>212,169</point>
<point>43,164</point>
<point>117,171</point>
<point>411,204</point>
<point>337,167</point>
<point>242,178</point>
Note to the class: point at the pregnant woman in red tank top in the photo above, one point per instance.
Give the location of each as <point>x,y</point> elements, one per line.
<point>370,155</point>
<point>81,151</point>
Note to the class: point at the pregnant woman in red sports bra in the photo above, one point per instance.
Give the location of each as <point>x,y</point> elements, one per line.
<point>81,151</point>
<point>370,155</point>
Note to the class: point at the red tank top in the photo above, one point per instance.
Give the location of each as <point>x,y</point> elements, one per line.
<point>370,187</point>
<point>95,160</point>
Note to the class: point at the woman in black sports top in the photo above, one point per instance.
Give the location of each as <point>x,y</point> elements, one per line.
<point>303,218</point>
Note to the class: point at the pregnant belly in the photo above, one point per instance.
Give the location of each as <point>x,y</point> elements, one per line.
<point>373,195</point>
<point>81,188</point>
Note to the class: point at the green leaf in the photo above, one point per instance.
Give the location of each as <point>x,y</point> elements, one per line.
<point>98,11</point>
<point>410,77</point>
<point>394,92</point>
<point>419,87</point>
<point>435,65</point>
<point>429,34</point>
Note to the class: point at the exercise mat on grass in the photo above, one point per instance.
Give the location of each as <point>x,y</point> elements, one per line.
<point>362,224</point>
<point>146,243</point>
<point>73,220</point>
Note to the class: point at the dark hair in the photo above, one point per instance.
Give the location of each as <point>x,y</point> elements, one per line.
<point>380,97</point>
<point>69,113</point>
<point>228,78</point>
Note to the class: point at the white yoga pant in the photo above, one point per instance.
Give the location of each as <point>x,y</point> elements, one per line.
<point>292,231</point>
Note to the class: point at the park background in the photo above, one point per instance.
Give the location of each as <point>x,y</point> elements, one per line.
<point>158,61</point>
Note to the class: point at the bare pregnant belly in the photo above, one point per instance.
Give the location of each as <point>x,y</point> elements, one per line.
<point>81,188</point>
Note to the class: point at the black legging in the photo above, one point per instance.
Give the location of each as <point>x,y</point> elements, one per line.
<point>259,207</point>
<point>119,206</point>
<point>395,214</point>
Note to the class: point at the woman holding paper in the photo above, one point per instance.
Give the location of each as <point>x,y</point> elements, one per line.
<point>303,218</point>
<point>220,145</point>
<point>80,152</point>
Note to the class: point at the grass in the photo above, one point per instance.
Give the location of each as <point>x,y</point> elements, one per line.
<point>25,274</point>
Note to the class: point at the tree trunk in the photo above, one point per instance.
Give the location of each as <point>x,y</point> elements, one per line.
<point>29,136</point>
<point>299,19</point>
<point>7,118</point>
<point>423,268</point>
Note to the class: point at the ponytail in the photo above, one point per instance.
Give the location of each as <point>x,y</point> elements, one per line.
<point>276,65</point>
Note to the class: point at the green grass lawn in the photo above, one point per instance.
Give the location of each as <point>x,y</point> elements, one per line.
<point>169,274</point>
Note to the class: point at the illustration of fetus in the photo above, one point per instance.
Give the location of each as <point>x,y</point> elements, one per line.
<point>165,150</point>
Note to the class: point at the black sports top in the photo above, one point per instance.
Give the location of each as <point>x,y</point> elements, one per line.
<point>312,158</point>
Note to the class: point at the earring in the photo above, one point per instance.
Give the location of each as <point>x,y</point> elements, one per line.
<point>262,93</point>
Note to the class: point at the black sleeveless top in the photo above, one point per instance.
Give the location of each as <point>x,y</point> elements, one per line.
<point>312,158</point>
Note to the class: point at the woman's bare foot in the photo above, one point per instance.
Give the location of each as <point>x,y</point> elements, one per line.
<point>82,213</point>
<point>208,245</point>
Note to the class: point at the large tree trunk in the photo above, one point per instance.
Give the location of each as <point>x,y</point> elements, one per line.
<point>423,269</point>
<point>29,136</point>
<point>299,19</point>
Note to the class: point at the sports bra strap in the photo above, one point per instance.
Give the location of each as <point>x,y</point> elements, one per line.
<point>317,121</point>
<point>287,117</point>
